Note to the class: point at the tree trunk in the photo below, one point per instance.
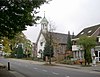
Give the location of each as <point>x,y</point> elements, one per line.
<point>49,59</point>
<point>85,56</point>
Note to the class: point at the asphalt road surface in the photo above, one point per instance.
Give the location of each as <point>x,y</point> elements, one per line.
<point>32,69</point>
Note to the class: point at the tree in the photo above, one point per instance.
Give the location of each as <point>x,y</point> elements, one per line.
<point>9,45</point>
<point>48,49</point>
<point>69,43</point>
<point>6,45</point>
<point>7,49</point>
<point>20,51</point>
<point>21,38</point>
<point>15,15</point>
<point>87,43</point>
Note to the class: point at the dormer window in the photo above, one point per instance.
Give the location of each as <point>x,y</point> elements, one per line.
<point>82,33</point>
<point>89,31</point>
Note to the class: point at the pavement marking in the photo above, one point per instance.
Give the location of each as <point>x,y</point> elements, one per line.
<point>26,65</point>
<point>35,68</point>
<point>94,72</point>
<point>19,64</point>
<point>55,73</point>
<point>67,76</point>
<point>44,70</point>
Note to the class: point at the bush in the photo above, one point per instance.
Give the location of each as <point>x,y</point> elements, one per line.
<point>7,55</point>
<point>67,62</point>
<point>63,62</point>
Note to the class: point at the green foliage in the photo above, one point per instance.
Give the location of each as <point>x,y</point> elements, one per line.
<point>15,15</point>
<point>48,49</point>
<point>69,57</point>
<point>6,45</point>
<point>21,38</point>
<point>69,43</point>
<point>7,49</point>
<point>87,43</point>
<point>9,45</point>
<point>88,56</point>
<point>67,62</point>
<point>19,51</point>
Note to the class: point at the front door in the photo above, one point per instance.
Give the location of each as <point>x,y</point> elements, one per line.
<point>99,55</point>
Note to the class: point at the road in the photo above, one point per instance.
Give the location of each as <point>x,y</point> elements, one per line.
<point>32,69</point>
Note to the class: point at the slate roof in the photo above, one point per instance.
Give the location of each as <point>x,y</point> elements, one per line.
<point>88,31</point>
<point>60,37</point>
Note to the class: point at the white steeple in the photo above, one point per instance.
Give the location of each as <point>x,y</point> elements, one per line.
<point>44,24</point>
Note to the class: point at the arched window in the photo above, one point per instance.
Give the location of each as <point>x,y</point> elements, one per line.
<point>40,51</point>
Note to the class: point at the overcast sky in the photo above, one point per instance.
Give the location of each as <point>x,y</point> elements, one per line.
<point>68,15</point>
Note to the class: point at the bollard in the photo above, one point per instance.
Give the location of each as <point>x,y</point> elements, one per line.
<point>8,65</point>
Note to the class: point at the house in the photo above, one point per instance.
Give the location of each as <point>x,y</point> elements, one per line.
<point>77,50</point>
<point>59,41</point>
<point>1,48</point>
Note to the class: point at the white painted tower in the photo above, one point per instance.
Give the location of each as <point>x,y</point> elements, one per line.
<point>44,24</point>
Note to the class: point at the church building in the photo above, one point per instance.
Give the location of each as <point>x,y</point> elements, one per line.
<point>59,40</point>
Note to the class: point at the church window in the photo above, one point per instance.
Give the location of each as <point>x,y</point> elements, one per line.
<point>40,51</point>
<point>41,43</point>
<point>43,26</point>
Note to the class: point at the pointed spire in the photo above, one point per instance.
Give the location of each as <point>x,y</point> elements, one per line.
<point>44,14</point>
<point>44,20</point>
<point>44,24</point>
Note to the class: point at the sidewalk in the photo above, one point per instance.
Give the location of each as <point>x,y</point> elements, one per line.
<point>2,66</point>
<point>95,69</point>
<point>5,73</point>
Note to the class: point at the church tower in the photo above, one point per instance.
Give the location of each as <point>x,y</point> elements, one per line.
<point>44,24</point>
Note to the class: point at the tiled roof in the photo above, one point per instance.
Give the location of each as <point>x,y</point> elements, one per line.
<point>88,31</point>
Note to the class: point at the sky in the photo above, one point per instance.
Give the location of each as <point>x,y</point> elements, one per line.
<point>67,15</point>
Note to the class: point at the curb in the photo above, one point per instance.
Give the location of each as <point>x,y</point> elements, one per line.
<point>16,74</point>
<point>81,68</point>
<point>2,66</point>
